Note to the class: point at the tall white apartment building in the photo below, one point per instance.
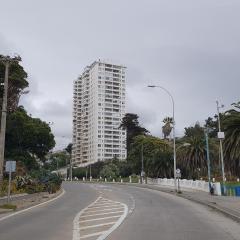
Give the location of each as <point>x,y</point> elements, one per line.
<point>98,108</point>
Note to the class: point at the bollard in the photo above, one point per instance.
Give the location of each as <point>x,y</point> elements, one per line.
<point>121,181</point>
<point>130,179</point>
<point>83,179</point>
<point>105,179</point>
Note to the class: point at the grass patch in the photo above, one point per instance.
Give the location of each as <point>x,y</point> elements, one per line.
<point>8,206</point>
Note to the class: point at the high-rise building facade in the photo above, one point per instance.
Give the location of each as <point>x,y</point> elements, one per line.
<point>98,108</point>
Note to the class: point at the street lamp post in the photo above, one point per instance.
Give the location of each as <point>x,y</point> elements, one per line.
<point>174,138</point>
<point>7,61</point>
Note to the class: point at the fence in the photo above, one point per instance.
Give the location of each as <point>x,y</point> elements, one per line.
<point>230,190</point>
<point>187,184</point>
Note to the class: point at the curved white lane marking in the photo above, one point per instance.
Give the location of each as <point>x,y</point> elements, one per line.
<point>77,220</point>
<point>116,225</point>
<point>38,205</point>
<point>76,229</point>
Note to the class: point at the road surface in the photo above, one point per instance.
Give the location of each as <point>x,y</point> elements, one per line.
<point>88,211</point>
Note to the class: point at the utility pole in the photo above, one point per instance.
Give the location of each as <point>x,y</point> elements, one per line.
<point>7,61</point>
<point>90,172</point>
<point>220,137</point>
<point>70,170</point>
<point>208,159</point>
<point>142,170</point>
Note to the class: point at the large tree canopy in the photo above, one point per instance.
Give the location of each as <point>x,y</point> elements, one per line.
<point>131,124</point>
<point>27,138</point>
<point>17,82</point>
<point>157,155</point>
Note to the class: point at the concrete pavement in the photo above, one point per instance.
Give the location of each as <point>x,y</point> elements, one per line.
<point>53,221</point>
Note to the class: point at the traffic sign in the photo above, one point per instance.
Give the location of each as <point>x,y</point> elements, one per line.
<point>178,170</point>
<point>178,173</point>
<point>10,166</point>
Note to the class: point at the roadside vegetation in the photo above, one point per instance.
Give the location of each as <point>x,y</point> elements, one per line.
<point>191,151</point>
<point>29,140</point>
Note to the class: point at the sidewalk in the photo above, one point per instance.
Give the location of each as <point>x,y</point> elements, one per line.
<point>229,206</point>
<point>12,197</point>
<point>23,201</point>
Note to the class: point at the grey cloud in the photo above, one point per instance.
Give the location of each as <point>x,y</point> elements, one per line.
<point>190,47</point>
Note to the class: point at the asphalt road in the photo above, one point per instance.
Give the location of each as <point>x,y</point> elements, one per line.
<point>53,221</point>
<point>152,215</point>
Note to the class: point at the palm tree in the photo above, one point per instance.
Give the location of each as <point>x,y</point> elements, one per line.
<point>167,127</point>
<point>231,124</point>
<point>192,156</point>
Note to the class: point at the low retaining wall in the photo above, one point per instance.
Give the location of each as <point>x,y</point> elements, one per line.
<point>184,183</point>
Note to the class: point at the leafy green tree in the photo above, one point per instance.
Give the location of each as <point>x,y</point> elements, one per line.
<point>152,147</point>
<point>27,139</point>
<point>69,148</point>
<point>131,124</point>
<point>110,171</point>
<point>16,86</point>
<point>57,160</point>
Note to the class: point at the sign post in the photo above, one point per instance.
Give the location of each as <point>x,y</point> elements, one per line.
<point>178,175</point>
<point>10,167</point>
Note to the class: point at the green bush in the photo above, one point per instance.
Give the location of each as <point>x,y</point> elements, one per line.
<point>8,206</point>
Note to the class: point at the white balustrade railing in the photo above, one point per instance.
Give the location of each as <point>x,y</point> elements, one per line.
<point>187,184</point>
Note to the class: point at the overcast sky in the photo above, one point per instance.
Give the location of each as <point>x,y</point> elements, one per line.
<point>191,47</point>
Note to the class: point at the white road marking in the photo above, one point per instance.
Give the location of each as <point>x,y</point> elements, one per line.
<point>83,216</point>
<point>102,210</point>
<point>38,205</point>
<point>97,219</point>
<point>82,227</point>
<point>116,225</point>
<point>102,205</point>
<point>92,235</point>
<point>76,232</point>
<point>97,225</point>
